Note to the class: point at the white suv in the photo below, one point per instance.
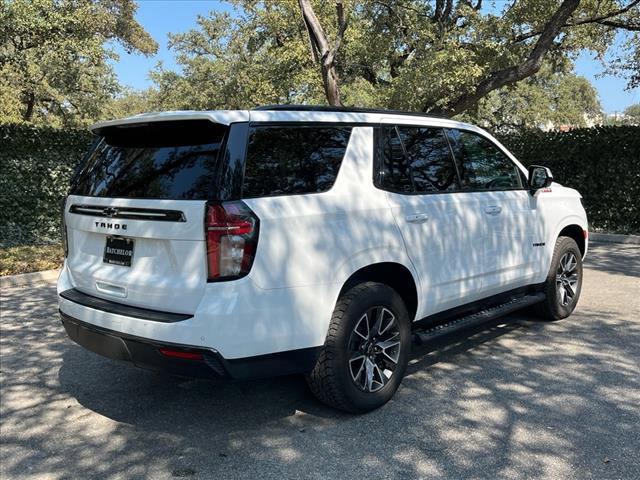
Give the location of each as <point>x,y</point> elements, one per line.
<point>291,239</point>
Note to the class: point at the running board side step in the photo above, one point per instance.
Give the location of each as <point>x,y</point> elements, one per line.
<point>424,335</point>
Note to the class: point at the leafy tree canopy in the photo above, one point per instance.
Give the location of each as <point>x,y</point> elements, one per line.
<point>54,57</point>
<point>633,111</point>
<point>546,99</point>
<point>442,56</point>
<point>506,64</point>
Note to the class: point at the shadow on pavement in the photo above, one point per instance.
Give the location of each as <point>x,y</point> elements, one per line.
<point>623,259</point>
<point>514,398</point>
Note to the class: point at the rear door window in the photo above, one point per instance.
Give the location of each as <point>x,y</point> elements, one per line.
<point>165,160</point>
<point>429,159</point>
<point>416,160</point>
<point>482,165</point>
<point>289,160</point>
<point>395,174</point>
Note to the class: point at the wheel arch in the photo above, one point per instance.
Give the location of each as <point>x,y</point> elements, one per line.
<point>577,233</point>
<point>393,274</point>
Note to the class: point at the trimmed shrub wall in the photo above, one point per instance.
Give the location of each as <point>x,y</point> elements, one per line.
<point>603,163</point>
<point>36,165</point>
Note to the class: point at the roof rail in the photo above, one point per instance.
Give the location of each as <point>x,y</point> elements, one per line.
<point>329,108</point>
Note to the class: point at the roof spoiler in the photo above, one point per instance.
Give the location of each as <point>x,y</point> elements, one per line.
<point>222,117</point>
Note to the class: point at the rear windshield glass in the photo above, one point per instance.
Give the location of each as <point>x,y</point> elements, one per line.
<point>166,160</point>
<point>293,159</point>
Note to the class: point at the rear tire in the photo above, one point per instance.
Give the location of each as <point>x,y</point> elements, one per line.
<point>366,351</point>
<point>564,281</point>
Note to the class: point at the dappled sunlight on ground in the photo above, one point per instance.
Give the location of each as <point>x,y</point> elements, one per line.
<point>515,398</point>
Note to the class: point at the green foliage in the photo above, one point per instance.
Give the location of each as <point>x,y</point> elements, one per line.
<point>626,62</point>
<point>129,102</point>
<point>396,54</point>
<point>409,54</point>
<point>36,166</point>
<point>561,99</point>
<point>260,57</point>
<point>603,163</point>
<point>633,112</point>
<point>54,57</point>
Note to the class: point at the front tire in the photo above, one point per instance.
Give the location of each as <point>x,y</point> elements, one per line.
<point>564,281</point>
<point>366,351</point>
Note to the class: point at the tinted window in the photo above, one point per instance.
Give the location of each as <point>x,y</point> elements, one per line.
<point>168,161</point>
<point>482,165</point>
<point>429,159</point>
<point>396,176</point>
<point>416,161</point>
<point>293,160</point>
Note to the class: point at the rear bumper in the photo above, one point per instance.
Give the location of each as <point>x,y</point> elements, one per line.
<point>146,354</point>
<point>237,319</point>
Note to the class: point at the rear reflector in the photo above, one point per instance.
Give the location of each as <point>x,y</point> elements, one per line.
<point>183,354</point>
<point>231,230</point>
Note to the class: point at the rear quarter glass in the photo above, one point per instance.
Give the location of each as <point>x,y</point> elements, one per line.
<point>293,159</point>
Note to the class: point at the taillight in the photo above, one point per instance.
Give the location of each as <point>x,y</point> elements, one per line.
<point>231,230</point>
<point>63,228</point>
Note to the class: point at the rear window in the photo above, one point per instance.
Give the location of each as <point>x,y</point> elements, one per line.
<point>164,160</point>
<point>286,160</point>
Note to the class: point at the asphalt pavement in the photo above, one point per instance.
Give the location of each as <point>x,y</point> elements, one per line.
<point>516,398</point>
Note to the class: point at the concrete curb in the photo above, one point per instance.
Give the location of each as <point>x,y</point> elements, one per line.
<point>10,281</point>
<point>614,238</point>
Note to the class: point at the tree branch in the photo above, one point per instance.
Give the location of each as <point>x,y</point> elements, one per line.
<point>315,55</point>
<point>601,19</point>
<point>437,14</point>
<point>403,7</point>
<point>398,61</point>
<point>316,32</point>
<point>516,73</point>
<point>447,9</point>
<point>342,27</point>
<point>625,26</point>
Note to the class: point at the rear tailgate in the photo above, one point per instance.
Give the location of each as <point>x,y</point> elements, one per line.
<point>135,216</point>
<point>167,268</point>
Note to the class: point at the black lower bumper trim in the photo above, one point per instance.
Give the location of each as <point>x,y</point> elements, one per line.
<point>145,353</point>
<point>76,296</point>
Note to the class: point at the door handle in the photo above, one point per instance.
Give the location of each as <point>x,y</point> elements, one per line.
<point>417,218</point>
<point>493,210</point>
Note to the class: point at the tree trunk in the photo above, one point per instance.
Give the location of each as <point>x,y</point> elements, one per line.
<point>31,102</point>
<point>331,85</point>
<point>327,52</point>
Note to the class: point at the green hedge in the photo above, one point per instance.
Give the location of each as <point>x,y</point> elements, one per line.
<point>602,163</point>
<point>36,165</point>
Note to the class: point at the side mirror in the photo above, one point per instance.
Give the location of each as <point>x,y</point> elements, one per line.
<point>539,177</point>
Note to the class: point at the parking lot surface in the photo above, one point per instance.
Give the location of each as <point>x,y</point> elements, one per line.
<point>516,398</point>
